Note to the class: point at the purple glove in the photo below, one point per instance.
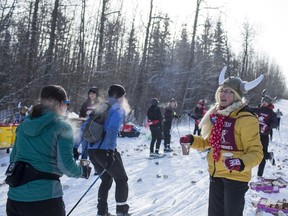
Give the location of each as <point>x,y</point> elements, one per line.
<point>187,139</point>
<point>234,164</point>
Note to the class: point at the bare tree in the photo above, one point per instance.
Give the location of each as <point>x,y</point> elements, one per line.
<point>248,36</point>
<point>138,87</point>
<point>49,54</point>
<point>192,53</point>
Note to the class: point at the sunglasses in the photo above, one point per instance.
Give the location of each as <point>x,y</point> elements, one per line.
<point>67,102</point>
<point>226,91</point>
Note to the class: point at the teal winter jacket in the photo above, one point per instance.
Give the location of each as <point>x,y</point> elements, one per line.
<point>46,142</point>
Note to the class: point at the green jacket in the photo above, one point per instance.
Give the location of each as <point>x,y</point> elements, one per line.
<point>46,142</point>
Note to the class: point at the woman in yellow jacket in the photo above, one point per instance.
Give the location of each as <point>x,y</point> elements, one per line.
<point>229,127</point>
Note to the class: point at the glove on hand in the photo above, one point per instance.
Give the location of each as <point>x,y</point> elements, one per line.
<point>86,171</point>
<point>234,164</point>
<point>110,158</point>
<point>76,154</point>
<point>187,139</point>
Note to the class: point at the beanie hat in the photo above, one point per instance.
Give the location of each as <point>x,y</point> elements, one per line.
<point>94,90</point>
<point>116,91</point>
<point>172,100</point>
<point>237,84</point>
<point>154,101</point>
<point>54,92</point>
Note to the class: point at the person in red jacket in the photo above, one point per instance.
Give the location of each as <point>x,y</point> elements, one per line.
<point>267,120</point>
<point>198,114</point>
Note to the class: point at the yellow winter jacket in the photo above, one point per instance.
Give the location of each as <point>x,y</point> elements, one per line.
<point>247,140</point>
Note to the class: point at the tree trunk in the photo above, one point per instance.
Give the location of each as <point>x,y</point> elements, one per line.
<point>49,53</point>
<point>192,53</point>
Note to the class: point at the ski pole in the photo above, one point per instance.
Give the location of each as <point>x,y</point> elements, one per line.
<point>87,191</point>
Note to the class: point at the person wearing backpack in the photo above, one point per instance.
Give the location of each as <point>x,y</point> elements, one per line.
<point>44,143</point>
<point>267,121</point>
<point>155,124</point>
<point>104,155</point>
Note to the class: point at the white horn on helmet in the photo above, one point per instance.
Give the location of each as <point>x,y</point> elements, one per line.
<point>250,85</point>
<point>19,105</point>
<point>222,75</point>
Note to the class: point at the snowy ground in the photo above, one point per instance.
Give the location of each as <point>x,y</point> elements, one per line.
<point>174,185</point>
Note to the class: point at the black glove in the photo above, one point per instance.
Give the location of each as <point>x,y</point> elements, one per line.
<point>75,153</point>
<point>109,158</point>
<point>86,171</point>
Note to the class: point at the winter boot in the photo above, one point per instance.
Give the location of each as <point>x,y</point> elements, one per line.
<point>122,214</point>
<point>121,210</point>
<point>168,149</point>
<point>157,151</point>
<point>271,158</point>
<point>105,214</point>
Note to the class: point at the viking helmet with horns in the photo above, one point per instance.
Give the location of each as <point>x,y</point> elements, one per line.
<point>237,84</point>
<point>267,98</point>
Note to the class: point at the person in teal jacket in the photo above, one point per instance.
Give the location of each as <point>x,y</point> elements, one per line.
<point>104,156</point>
<point>45,141</point>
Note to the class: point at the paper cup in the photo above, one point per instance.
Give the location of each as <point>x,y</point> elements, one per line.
<point>84,162</point>
<point>185,148</point>
<point>227,155</point>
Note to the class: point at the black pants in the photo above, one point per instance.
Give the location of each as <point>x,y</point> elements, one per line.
<point>226,197</point>
<point>156,133</point>
<point>197,129</point>
<point>55,207</point>
<point>278,123</point>
<point>265,142</point>
<point>116,172</point>
<point>166,130</point>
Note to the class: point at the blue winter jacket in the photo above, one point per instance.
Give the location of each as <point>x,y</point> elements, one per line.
<point>115,118</point>
<point>46,143</point>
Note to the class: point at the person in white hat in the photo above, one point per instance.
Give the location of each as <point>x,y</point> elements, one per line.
<point>229,127</point>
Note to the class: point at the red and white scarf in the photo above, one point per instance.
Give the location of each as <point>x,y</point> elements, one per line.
<point>219,116</point>
<point>216,134</point>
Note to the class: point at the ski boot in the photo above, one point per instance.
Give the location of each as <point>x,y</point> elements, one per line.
<point>168,149</point>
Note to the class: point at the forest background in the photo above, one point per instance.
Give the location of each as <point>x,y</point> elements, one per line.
<point>77,44</point>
